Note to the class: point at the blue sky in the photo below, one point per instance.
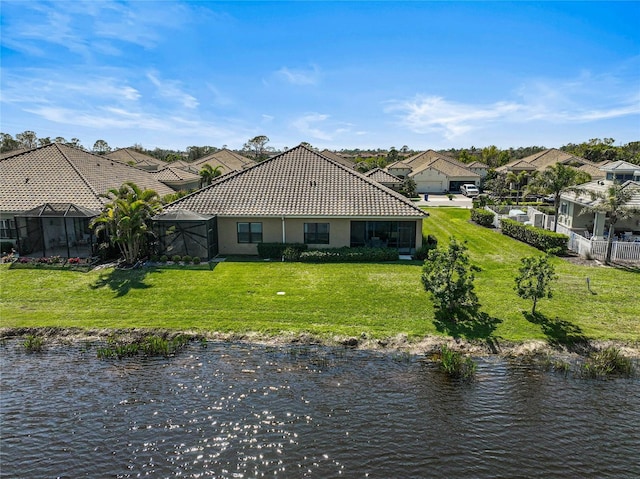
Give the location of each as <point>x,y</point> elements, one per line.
<point>334,74</point>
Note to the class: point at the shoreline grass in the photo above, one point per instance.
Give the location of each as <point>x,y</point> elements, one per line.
<point>378,300</point>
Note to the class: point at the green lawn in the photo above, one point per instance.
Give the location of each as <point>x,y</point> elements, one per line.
<point>377,299</point>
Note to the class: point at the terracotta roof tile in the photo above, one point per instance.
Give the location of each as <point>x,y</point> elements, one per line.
<point>62,174</point>
<point>299,182</point>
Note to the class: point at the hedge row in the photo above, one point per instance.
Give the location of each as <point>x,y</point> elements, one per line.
<point>349,255</point>
<point>482,217</point>
<point>276,250</point>
<point>548,241</point>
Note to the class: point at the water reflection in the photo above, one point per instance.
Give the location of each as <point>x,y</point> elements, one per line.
<point>236,410</point>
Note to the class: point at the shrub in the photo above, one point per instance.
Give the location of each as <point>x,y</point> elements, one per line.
<point>196,260</point>
<point>548,241</point>
<point>482,217</point>
<point>291,254</point>
<point>428,243</point>
<point>176,258</point>
<point>186,259</point>
<point>276,250</point>
<point>456,365</point>
<point>6,247</point>
<point>164,258</point>
<point>74,261</point>
<point>349,255</point>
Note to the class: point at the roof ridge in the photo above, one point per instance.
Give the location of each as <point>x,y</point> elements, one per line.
<point>75,168</point>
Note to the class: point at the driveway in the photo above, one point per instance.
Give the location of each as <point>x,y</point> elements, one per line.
<point>440,199</point>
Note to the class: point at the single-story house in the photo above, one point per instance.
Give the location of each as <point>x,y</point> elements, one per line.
<point>49,194</point>
<point>384,178</point>
<point>177,178</point>
<point>136,158</point>
<point>228,161</point>
<point>434,172</point>
<point>596,225</point>
<point>299,196</point>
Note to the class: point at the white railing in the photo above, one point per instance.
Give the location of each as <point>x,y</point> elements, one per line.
<point>620,250</point>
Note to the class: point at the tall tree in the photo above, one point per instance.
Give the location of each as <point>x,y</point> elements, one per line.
<point>101,147</point>
<point>44,141</point>
<point>554,180</point>
<point>257,145</point>
<point>28,139</point>
<point>534,279</point>
<point>126,219</point>
<point>614,203</point>
<point>7,143</point>
<point>448,276</point>
<point>208,173</point>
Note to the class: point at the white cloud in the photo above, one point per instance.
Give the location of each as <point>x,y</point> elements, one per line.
<point>300,76</point>
<point>583,99</point>
<point>305,125</point>
<point>435,114</point>
<point>170,89</point>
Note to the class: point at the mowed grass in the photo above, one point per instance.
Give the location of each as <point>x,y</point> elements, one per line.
<point>379,300</point>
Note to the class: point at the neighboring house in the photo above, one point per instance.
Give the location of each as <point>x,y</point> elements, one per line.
<point>434,172</point>
<point>479,168</point>
<point>595,225</point>
<point>136,158</point>
<point>338,158</point>
<point>299,196</point>
<point>49,194</point>
<point>177,178</point>
<point>228,161</point>
<point>384,178</point>
<point>541,160</point>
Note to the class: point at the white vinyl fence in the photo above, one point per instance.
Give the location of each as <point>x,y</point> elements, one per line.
<point>620,250</point>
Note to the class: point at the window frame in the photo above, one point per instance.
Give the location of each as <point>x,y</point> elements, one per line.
<point>316,237</point>
<point>253,236</point>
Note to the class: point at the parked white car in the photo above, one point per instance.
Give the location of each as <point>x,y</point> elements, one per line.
<point>469,190</point>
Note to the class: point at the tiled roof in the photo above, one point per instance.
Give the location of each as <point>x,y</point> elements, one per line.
<point>59,173</point>
<point>595,171</point>
<point>382,176</point>
<point>517,165</point>
<point>449,168</point>
<point>596,187</point>
<point>128,155</point>
<point>477,164</point>
<point>619,165</point>
<point>227,160</point>
<point>552,156</point>
<point>171,173</point>
<point>299,182</point>
<point>432,159</point>
<point>336,157</point>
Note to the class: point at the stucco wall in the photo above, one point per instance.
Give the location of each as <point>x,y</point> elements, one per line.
<point>339,233</point>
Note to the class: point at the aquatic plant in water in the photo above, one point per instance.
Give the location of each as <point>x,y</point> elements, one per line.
<point>33,344</point>
<point>148,346</point>
<point>456,365</point>
<point>607,362</point>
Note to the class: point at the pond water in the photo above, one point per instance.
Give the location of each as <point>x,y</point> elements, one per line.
<point>245,411</point>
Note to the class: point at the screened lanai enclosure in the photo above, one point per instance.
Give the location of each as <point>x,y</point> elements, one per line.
<point>56,229</point>
<point>186,233</point>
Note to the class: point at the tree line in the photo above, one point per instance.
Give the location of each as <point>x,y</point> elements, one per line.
<point>596,150</point>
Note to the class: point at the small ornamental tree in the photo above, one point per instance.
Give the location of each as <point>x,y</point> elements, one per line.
<point>448,275</point>
<point>534,279</point>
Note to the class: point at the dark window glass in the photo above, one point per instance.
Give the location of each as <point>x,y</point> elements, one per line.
<point>316,233</point>
<point>249,232</point>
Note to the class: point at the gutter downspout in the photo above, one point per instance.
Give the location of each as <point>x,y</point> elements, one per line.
<point>284,234</point>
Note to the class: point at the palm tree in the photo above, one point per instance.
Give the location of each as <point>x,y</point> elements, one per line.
<point>554,180</point>
<point>613,203</point>
<point>208,173</point>
<point>519,179</point>
<point>125,219</point>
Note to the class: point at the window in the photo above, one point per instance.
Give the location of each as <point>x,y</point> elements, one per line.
<point>316,233</point>
<point>249,232</point>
